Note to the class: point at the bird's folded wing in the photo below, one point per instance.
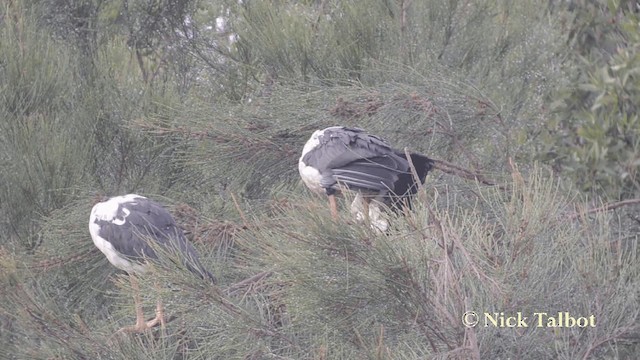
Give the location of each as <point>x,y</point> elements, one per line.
<point>132,238</point>
<point>145,223</point>
<point>339,149</point>
<point>375,174</point>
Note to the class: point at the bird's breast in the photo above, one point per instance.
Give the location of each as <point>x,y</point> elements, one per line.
<point>310,176</point>
<point>115,258</point>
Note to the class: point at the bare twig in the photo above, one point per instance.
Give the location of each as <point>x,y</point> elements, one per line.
<point>598,342</point>
<point>470,336</point>
<point>316,23</point>
<point>244,219</point>
<point>452,169</point>
<point>48,264</point>
<point>145,77</point>
<point>413,169</point>
<point>606,207</point>
<point>380,348</point>
<point>249,281</point>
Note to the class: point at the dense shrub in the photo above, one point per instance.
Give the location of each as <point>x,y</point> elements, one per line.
<point>594,135</point>
<point>205,106</point>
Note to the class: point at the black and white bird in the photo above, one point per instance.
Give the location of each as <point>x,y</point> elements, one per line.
<point>341,158</point>
<point>127,229</point>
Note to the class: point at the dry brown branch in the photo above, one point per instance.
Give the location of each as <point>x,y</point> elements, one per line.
<point>414,172</point>
<point>244,219</point>
<point>49,264</point>
<point>615,336</point>
<point>440,230</point>
<point>449,131</point>
<point>257,142</point>
<point>515,173</point>
<point>248,282</point>
<point>452,169</point>
<point>470,336</point>
<point>606,207</point>
<point>380,349</point>
<point>145,77</point>
<point>480,274</point>
<point>349,110</point>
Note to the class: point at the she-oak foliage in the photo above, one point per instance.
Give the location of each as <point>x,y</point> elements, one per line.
<point>112,97</point>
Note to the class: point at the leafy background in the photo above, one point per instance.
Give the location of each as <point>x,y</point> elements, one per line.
<point>205,105</point>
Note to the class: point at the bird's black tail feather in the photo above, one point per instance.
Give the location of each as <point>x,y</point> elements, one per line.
<point>422,164</point>
<point>187,254</point>
<point>406,185</point>
<point>199,270</point>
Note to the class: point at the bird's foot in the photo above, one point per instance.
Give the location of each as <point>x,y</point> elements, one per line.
<point>143,326</point>
<point>158,320</point>
<point>137,328</point>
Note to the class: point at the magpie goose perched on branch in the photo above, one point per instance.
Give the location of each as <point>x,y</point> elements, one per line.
<point>340,158</point>
<point>124,227</point>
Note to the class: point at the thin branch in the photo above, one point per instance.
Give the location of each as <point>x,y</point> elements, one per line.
<point>244,219</point>
<point>616,335</point>
<point>140,60</point>
<point>452,169</point>
<point>413,169</point>
<point>607,207</point>
<point>249,281</point>
<point>47,265</point>
<point>316,24</point>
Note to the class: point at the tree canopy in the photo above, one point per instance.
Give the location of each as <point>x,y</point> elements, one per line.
<point>529,107</point>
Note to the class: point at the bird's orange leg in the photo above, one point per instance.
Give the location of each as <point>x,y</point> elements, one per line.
<point>334,206</point>
<point>159,312</point>
<point>365,209</point>
<point>140,325</point>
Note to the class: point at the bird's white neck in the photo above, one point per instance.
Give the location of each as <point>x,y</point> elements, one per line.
<point>311,144</point>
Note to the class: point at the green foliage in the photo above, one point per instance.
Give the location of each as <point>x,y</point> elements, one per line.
<point>338,290</point>
<point>41,140</point>
<point>595,136</point>
<point>64,135</point>
<point>330,42</point>
<point>112,97</point>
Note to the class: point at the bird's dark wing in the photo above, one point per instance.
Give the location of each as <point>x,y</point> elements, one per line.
<point>377,173</point>
<point>141,221</point>
<point>355,159</point>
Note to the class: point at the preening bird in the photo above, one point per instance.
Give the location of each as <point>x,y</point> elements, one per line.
<point>124,227</point>
<point>340,158</point>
